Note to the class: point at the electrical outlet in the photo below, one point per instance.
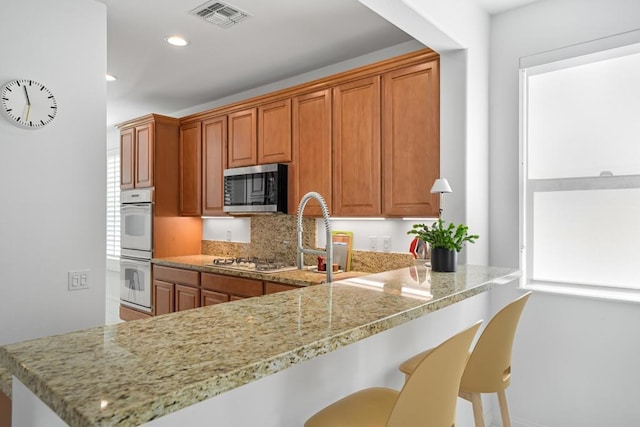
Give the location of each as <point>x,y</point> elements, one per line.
<point>228,235</point>
<point>386,244</point>
<point>78,279</point>
<point>373,243</point>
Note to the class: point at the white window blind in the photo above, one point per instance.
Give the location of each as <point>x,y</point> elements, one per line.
<point>581,173</point>
<point>113,203</point>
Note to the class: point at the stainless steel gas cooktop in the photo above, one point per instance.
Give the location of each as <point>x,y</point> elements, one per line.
<point>262,265</point>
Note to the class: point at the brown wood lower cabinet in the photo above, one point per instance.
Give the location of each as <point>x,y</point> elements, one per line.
<point>163,299</point>
<point>208,297</point>
<point>5,410</point>
<point>187,297</point>
<point>232,286</point>
<point>273,287</point>
<point>175,289</point>
<point>128,314</point>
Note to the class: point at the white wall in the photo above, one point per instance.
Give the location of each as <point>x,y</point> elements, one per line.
<point>52,180</point>
<point>575,360</point>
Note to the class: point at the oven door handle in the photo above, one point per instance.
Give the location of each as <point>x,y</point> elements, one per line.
<point>137,261</point>
<point>136,207</point>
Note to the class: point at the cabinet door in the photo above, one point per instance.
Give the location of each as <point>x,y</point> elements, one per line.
<point>411,140</point>
<point>311,167</point>
<point>356,148</point>
<point>144,155</point>
<point>187,297</point>
<point>126,158</point>
<point>208,297</point>
<point>190,170</point>
<point>163,301</point>
<point>243,143</point>
<point>214,162</point>
<point>274,132</point>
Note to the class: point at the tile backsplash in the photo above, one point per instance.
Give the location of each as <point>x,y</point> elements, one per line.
<point>276,237</point>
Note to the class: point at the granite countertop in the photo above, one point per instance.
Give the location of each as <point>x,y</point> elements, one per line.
<point>203,263</point>
<point>5,381</point>
<point>133,372</point>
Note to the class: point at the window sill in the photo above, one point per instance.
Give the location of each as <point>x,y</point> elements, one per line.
<point>585,291</point>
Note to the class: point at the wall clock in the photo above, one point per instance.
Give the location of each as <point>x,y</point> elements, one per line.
<point>27,103</point>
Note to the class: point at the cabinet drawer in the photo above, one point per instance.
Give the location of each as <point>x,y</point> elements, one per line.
<point>232,285</point>
<point>272,287</point>
<point>176,275</point>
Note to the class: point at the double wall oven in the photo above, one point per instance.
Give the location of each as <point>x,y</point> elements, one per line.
<point>136,242</point>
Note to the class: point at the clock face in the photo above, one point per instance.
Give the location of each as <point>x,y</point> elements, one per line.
<point>28,104</point>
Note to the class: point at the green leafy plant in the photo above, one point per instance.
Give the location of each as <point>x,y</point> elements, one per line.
<point>450,237</point>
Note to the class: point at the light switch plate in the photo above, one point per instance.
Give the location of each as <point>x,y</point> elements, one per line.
<point>373,243</point>
<point>78,279</point>
<point>386,244</point>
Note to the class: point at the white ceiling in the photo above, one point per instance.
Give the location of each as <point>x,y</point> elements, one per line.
<point>281,38</point>
<point>499,6</point>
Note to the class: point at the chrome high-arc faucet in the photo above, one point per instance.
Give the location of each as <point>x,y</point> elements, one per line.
<point>328,253</point>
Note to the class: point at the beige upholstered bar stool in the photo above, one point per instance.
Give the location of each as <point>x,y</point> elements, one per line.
<point>489,367</point>
<point>428,398</point>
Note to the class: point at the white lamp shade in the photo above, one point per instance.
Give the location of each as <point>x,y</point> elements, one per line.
<point>441,186</point>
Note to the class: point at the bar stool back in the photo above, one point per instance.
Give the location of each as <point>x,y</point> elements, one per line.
<point>428,398</point>
<point>489,367</point>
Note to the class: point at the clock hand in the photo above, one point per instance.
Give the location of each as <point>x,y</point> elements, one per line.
<point>28,111</point>
<point>27,95</point>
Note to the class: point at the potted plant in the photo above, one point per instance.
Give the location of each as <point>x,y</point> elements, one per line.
<point>445,242</point>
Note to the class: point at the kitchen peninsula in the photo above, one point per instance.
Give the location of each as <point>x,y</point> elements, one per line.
<point>150,370</point>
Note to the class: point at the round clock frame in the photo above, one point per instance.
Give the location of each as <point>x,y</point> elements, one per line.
<point>27,103</point>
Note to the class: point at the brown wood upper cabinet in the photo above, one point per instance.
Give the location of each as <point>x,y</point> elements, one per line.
<point>274,132</point>
<point>410,140</point>
<point>136,154</point>
<point>127,156</point>
<point>356,148</point>
<point>243,149</point>
<point>366,139</point>
<point>214,161</point>
<point>146,144</point>
<point>311,166</point>
<point>190,169</point>
<point>260,135</point>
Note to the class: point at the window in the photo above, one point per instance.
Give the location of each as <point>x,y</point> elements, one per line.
<point>113,203</point>
<point>580,197</point>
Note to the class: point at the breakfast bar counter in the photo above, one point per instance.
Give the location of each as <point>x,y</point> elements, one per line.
<point>135,372</point>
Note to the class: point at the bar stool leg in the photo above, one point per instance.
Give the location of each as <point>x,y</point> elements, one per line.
<point>476,403</point>
<point>504,408</point>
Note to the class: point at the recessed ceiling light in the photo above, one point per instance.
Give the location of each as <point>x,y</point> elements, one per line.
<point>176,41</point>
<point>110,77</point>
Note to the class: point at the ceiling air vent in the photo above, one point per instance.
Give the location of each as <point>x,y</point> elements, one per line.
<point>221,14</point>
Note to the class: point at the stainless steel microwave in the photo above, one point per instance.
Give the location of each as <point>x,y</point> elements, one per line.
<point>256,189</point>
